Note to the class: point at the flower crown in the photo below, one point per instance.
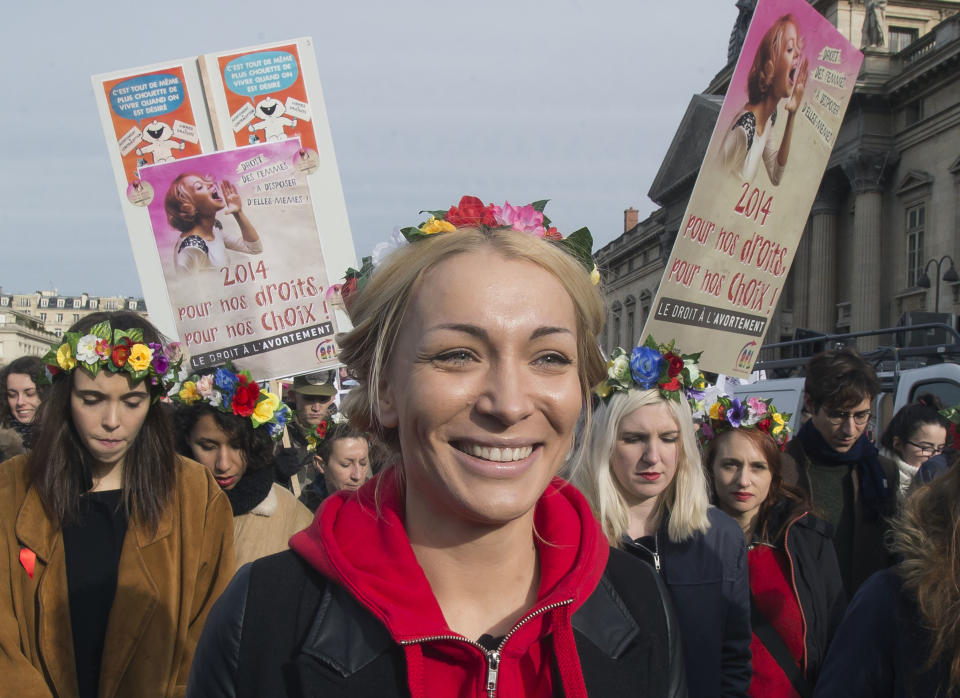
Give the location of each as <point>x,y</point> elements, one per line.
<point>318,434</point>
<point>654,365</point>
<point>754,413</point>
<point>235,392</point>
<point>473,213</point>
<point>115,350</point>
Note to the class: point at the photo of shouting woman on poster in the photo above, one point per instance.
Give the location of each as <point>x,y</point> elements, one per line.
<point>192,204</point>
<point>779,72</point>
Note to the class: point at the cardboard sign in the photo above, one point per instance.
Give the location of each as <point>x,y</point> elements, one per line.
<point>241,260</point>
<point>763,166</point>
<point>267,93</point>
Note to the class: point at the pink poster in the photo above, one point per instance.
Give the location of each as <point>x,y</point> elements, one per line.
<point>242,260</point>
<point>773,138</point>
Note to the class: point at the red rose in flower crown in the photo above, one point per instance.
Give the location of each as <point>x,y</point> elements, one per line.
<point>552,234</point>
<point>246,396</point>
<point>471,211</point>
<point>674,364</point>
<point>121,352</point>
<point>672,384</point>
<point>764,425</point>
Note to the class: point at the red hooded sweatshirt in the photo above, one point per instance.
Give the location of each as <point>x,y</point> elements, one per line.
<point>370,556</point>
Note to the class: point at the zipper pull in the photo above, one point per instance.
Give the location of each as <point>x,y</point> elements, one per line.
<point>493,666</point>
<point>656,562</point>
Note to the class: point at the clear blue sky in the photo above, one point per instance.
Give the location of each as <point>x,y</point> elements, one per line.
<point>570,100</point>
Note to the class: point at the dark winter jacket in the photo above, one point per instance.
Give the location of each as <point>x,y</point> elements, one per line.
<point>816,582</point>
<point>880,650</point>
<point>870,552</point>
<point>335,617</point>
<point>708,580</point>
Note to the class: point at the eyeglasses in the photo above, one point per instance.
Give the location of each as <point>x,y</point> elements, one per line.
<point>837,418</point>
<point>927,449</point>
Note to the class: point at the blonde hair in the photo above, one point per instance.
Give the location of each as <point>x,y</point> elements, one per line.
<point>685,498</point>
<point>378,311</point>
<point>927,536</point>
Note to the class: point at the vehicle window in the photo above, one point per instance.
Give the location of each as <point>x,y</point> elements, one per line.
<point>947,391</point>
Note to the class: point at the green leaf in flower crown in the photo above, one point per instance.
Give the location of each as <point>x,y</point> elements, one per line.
<point>136,335</point>
<point>540,205</point>
<point>651,343</point>
<point>438,214</point>
<point>138,375</point>
<point>413,234</point>
<point>101,330</point>
<point>580,244</point>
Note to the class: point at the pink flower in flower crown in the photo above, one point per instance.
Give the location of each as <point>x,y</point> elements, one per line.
<point>205,386</point>
<point>524,219</point>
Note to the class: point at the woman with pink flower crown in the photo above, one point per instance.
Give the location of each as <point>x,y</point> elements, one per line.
<point>113,547</point>
<point>639,467</point>
<point>796,592</point>
<point>466,567</point>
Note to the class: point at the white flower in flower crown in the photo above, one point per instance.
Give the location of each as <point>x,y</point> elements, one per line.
<point>87,349</point>
<point>691,366</point>
<point>205,386</point>
<point>216,397</point>
<point>383,249</point>
<point>620,370</point>
<point>178,378</point>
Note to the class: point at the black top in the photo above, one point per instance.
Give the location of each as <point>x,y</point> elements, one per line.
<point>92,548</point>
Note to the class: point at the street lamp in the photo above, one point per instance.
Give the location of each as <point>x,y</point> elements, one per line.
<point>950,276</point>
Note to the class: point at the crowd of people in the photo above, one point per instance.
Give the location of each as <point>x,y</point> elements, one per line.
<point>495,508</point>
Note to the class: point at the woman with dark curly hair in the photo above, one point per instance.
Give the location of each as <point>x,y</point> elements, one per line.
<point>916,433</point>
<point>901,633</point>
<point>228,424</point>
<point>22,385</point>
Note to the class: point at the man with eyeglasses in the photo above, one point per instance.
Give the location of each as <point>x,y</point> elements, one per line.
<point>833,460</point>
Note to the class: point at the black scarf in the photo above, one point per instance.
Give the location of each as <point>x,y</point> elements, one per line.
<point>250,490</point>
<point>24,431</point>
<point>875,492</point>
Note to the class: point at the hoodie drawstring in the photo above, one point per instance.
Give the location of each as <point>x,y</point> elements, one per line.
<point>568,660</point>
<point>415,670</point>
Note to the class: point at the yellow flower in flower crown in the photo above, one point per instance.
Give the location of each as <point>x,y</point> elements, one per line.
<point>188,393</point>
<point>715,411</point>
<point>265,408</point>
<point>436,225</point>
<point>778,423</point>
<point>595,275</point>
<point>65,358</point>
<point>603,390</point>
<point>140,357</point>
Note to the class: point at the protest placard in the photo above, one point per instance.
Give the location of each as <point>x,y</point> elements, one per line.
<point>267,93</point>
<point>242,264</point>
<point>150,115</point>
<point>766,157</point>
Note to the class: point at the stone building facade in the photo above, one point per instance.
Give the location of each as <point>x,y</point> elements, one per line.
<point>54,313</point>
<point>22,335</point>
<point>888,207</point>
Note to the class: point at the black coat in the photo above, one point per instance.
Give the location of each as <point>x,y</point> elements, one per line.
<point>880,649</point>
<point>816,580</point>
<point>281,629</point>
<point>708,580</point>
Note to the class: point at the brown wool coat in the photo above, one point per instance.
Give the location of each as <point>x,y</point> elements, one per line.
<point>166,583</point>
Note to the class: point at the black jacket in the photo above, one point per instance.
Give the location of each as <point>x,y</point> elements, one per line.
<point>869,548</point>
<point>708,579</point>
<point>281,629</point>
<point>881,648</point>
<point>816,581</point>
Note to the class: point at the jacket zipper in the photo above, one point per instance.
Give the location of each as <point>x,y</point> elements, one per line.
<point>796,594</point>
<point>492,656</point>
<point>655,553</point>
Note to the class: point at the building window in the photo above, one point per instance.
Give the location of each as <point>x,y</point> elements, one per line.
<point>59,317</point>
<point>901,37</point>
<point>77,302</point>
<point>913,112</point>
<point>43,316</point>
<point>60,302</point>
<point>4,301</point>
<point>94,304</point>
<point>44,302</point>
<point>915,224</point>
<point>76,317</point>
<point>133,305</point>
<point>24,302</point>
<point>110,305</point>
